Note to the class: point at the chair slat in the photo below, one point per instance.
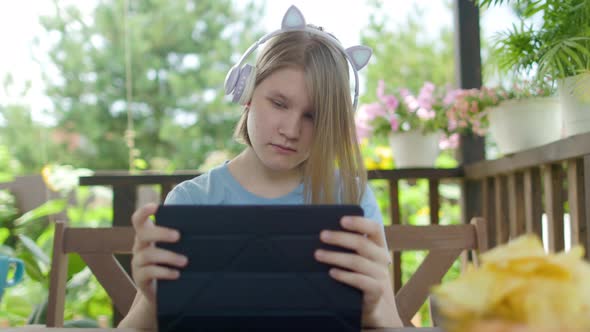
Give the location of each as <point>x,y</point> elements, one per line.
<point>413,294</point>
<point>113,278</point>
<point>431,237</point>
<point>58,276</point>
<point>99,240</point>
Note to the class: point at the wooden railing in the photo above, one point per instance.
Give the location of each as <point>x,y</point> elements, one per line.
<point>516,191</point>
<point>125,193</point>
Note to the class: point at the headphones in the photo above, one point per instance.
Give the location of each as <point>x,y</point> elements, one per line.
<point>241,78</point>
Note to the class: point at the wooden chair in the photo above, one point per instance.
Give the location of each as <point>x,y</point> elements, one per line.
<point>97,247</point>
<point>444,243</point>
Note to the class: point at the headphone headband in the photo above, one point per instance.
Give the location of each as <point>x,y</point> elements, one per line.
<point>236,79</point>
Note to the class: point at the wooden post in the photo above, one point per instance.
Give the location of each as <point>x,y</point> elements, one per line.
<point>395,220</point>
<point>585,225</point>
<point>433,200</point>
<point>533,201</point>
<point>124,204</point>
<point>553,185</point>
<point>468,75</point>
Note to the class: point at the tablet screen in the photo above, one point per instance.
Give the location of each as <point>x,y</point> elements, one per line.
<point>252,268</point>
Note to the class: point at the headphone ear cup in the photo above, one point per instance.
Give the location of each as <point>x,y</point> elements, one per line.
<point>241,81</point>
<point>249,83</point>
<point>230,80</point>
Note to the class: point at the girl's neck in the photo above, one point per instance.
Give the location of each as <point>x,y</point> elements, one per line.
<point>255,177</point>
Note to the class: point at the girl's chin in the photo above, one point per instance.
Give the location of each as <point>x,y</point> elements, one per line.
<point>280,164</point>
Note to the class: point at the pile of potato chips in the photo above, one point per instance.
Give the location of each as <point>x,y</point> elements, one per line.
<point>519,284</point>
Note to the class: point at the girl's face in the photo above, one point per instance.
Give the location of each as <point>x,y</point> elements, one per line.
<point>280,120</point>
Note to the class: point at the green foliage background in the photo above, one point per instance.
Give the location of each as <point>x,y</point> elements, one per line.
<point>180,52</point>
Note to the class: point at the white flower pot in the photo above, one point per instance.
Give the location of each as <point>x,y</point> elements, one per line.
<point>574,94</point>
<point>414,149</point>
<point>517,125</point>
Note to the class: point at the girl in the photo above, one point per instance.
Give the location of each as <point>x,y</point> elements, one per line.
<point>301,148</point>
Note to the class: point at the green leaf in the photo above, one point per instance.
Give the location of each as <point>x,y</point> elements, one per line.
<point>75,265</point>
<point>32,267</point>
<point>46,209</point>
<point>6,177</point>
<point>4,234</point>
<point>34,249</point>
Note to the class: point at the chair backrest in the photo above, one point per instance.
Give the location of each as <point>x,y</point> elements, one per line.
<point>96,246</point>
<point>444,243</point>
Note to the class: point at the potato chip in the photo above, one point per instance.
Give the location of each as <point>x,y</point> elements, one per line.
<point>521,285</point>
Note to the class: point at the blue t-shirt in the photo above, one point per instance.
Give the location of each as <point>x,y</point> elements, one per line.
<point>219,187</point>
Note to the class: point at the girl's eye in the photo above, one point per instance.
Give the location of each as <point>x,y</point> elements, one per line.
<point>309,116</point>
<point>278,104</point>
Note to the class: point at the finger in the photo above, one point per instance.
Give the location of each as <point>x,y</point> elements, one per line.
<point>157,234</point>
<point>373,230</point>
<point>141,215</point>
<point>371,288</point>
<point>356,242</point>
<point>352,262</point>
<point>148,274</point>
<point>153,255</point>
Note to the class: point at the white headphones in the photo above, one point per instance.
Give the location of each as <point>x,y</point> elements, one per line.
<point>240,79</point>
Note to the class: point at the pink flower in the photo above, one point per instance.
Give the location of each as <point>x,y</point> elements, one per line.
<point>363,129</point>
<point>394,123</point>
<point>449,142</point>
<point>390,102</point>
<point>425,97</point>
<point>425,114</point>
<point>452,124</point>
<point>369,112</point>
<point>412,103</point>
<point>450,97</point>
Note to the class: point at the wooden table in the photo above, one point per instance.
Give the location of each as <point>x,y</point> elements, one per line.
<point>41,329</point>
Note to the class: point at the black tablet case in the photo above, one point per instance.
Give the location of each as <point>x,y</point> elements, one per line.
<point>251,268</point>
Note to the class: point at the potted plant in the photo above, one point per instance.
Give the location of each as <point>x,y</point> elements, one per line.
<point>412,124</point>
<point>526,107</point>
<point>469,108</point>
<point>558,47</point>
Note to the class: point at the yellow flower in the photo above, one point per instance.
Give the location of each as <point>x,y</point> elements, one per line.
<point>424,211</point>
<point>370,163</point>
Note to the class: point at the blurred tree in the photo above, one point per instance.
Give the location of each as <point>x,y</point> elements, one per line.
<point>405,56</point>
<point>22,141</point>
<point>179,52</point>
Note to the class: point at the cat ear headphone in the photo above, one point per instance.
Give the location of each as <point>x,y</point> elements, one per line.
<point>240,79</point>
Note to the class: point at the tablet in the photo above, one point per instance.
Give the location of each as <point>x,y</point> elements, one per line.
<point>251,268</point>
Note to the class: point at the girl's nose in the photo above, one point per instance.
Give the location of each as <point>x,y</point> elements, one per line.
<point>291,126</point>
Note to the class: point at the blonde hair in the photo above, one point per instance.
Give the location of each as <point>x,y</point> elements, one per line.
<point>334,145</point>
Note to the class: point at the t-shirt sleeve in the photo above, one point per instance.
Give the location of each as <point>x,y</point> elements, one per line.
<point>371,209</point>
<point>370,206</point>
<point>179,196</point>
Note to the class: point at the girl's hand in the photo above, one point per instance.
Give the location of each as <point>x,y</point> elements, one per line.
<point>367,269</point>
<point>147,259</point>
